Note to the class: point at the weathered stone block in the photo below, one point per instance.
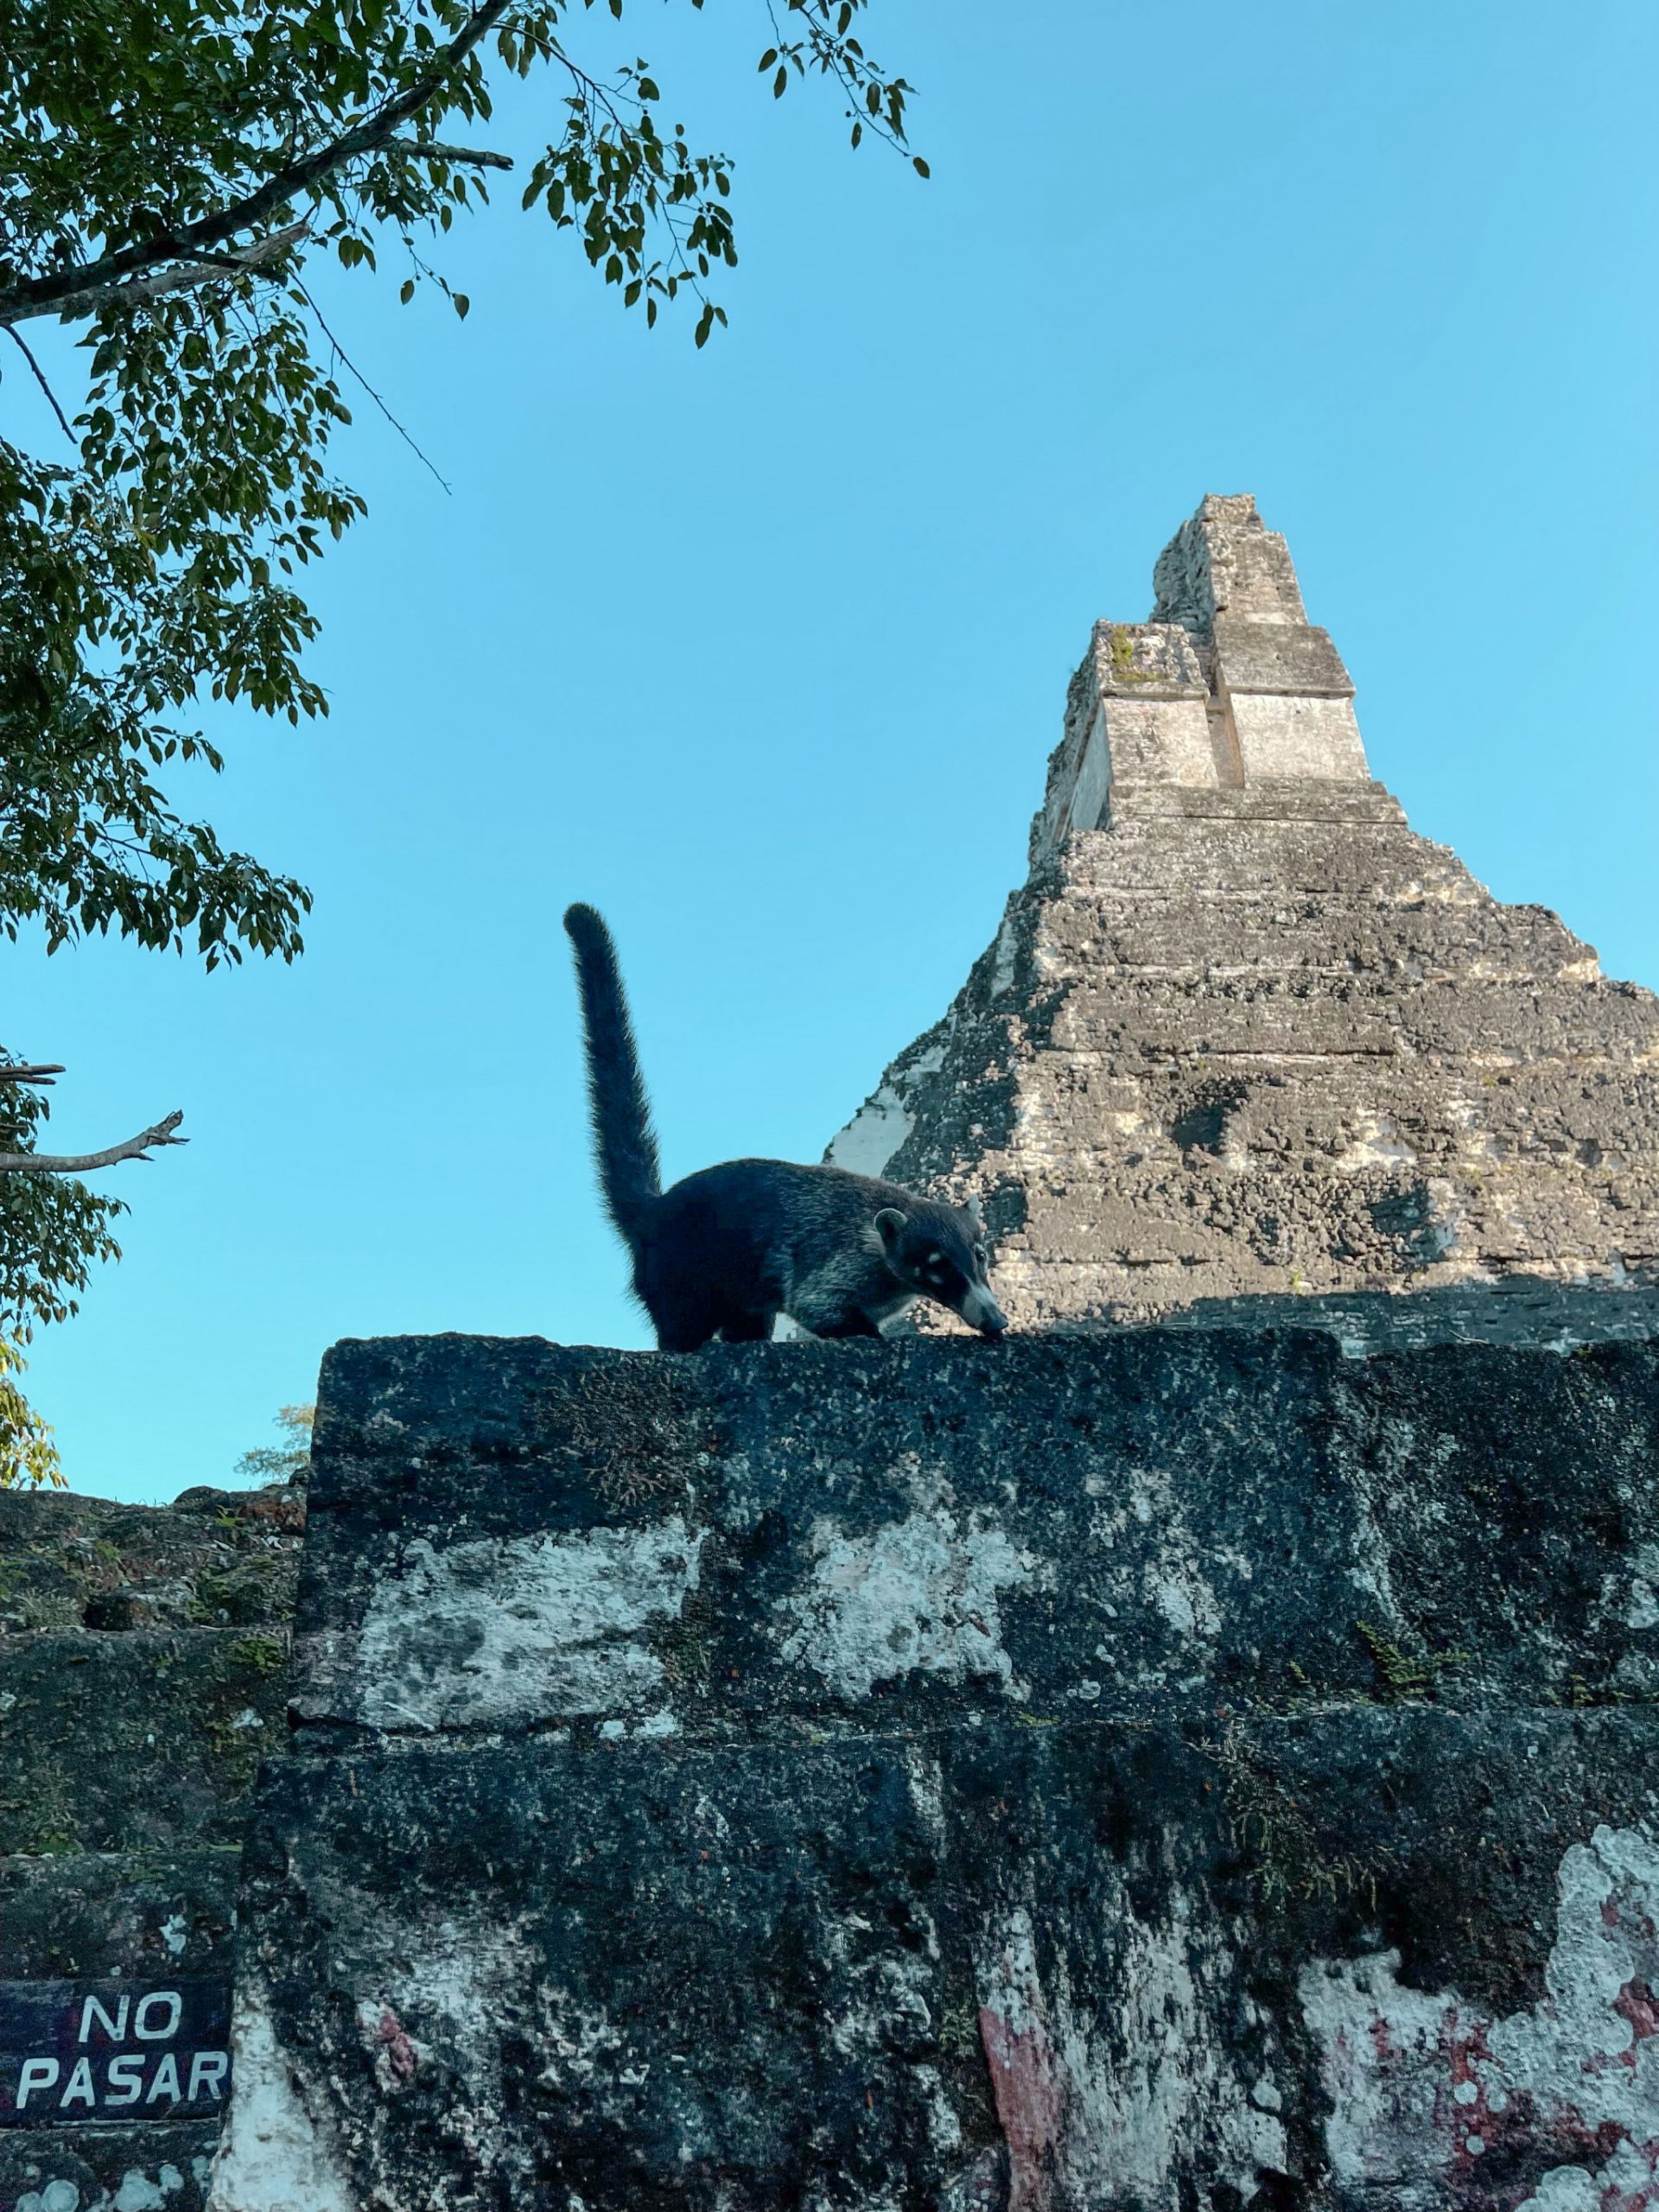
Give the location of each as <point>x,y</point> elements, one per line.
<point>141,1651</point>
<point>1134,660</point>
<point>1140,741</point>
<point>101,1916</point>
<point>1253,655</point>
<point>143,1741</point>
<point>509,1536</point>
<point>1093,1775</point>
<point>1090,1967</point>
<point>1223,561</point>
<point>1285,735</point>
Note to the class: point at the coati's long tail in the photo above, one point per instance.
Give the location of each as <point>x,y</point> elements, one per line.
<point>623,1138</point>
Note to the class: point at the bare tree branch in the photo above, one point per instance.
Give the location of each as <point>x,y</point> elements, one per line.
<point>483,160</point>
<point>41,1071</point>
<point>42,1163</point>
<point>66,292</point>
<point>198,269</point>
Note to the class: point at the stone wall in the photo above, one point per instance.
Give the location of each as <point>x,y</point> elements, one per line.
<point>1162,1771</point>
<point>143,1656</point>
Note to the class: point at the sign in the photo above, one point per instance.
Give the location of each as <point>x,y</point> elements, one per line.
<point>89,2052</point>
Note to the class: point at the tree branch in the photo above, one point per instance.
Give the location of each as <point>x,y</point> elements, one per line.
<point>200,270</point>
<point>42,1163</point>
<point>41,1071</point>
<point>483,160</point>
<point>65,292</point>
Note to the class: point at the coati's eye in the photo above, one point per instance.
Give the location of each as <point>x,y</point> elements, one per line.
<point>982,1259</point>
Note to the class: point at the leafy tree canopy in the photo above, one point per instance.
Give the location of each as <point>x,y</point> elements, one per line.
<point>168,166</point>
<point>167,170</point>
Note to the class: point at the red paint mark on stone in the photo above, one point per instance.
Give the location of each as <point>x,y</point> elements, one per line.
<point>1471,2125</point>
<point>1570,2139</point>
<point>400,2052</point>
<point>1636,2003</point>
<point>1026,2084</point>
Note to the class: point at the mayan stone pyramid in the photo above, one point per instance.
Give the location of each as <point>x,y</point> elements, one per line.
<point>1244,1035</point>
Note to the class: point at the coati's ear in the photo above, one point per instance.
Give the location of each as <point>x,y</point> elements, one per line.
<point>973,1212</point>
<point>891,1224</point>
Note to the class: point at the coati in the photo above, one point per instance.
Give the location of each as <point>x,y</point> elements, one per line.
<point>727,1250</point>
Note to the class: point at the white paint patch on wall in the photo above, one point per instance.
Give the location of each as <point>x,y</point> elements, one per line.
<point>138,2193</point>
<point>1094,2114</point>
<point>508,1629</point>
<point>1178,1582</point>
<point>460,1994</point>
<point>1635,1601</point>
<point>273,2156</point>
<point>920,1593</point>
<point>1188,1604</point>
<point>1423,2085</point>
<point>59,2195</point>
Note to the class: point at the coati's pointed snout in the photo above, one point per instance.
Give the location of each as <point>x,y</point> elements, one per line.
<point>980,1311</point>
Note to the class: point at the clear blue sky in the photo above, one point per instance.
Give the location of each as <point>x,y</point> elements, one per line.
<point>762,649</point>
